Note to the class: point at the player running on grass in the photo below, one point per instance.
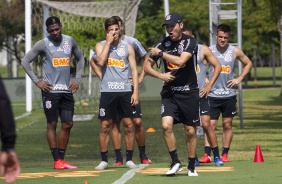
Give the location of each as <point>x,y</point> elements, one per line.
<point>180,92</point>
<point>57,90</point>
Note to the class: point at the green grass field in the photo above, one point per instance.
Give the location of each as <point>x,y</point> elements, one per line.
<point>262,126</point>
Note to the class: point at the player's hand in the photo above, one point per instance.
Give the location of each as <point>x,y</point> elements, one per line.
<point>134,99</point>
<point>44,86</point>
<point>73,87</point>
<point>205,91</point>
<point>167,77</point>
<point>233,83</point>
<point>9,166</point>
<point>110,36</point>
<point>206,81</point>
<point>154,51</point>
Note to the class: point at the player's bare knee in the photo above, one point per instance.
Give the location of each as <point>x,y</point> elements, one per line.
<point>67,125</point>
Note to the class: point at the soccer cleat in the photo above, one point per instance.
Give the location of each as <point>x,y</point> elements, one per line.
<point>197,163</point>
<point>224,158</point>
<point>144,160</point>
<point>102,166</point>
<point>192,172</point>
<point>205,159</point>
<point>217,161</point>
<point>68,166</point>
<point>129,164</point>
<point>174,168</point>
<point>59,164</point>
<point>118,163</point>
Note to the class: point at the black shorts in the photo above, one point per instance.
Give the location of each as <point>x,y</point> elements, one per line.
<point>137,113</point>
<point>115,103</point>
<point>204,106</point>
<point>58,104</point>
<point>183,108</point>
<point>226,106</point>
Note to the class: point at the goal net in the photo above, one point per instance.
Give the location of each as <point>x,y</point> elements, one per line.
<point>84,21</point>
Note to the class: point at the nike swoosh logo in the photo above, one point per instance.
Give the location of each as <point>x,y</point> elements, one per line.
<point>133,112</point>
<point>234,112</point>
<point>204,112</point>
<point>195,120</point>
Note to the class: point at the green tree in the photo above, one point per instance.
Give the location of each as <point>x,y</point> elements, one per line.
<point>11,25</point>
<point>275,8</point>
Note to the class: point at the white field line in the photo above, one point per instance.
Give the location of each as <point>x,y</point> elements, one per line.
<point>129,174</point>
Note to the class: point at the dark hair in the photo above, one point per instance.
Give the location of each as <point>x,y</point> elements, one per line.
<point>110,21</point>
<point>52,20</point>
<point>223,27</point>
<point>118,19</point>
<point>186,29</point>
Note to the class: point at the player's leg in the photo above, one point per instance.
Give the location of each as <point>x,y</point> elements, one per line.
<point>227,136</point>
<point>107,111</point>
<point>140,134</point>
<point>51,109</point>
<point>169,111</point>
<point>116,138</point>
<point>189,106</point>
<point>228,113</point>
<point>126,112</point>
<point>66,115</point>
<point>212,139</point>
<point>192,147</point>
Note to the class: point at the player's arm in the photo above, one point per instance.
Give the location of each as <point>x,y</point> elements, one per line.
<point>134,74</point>
<point>30,56</point>
<point>208,57</point>
<point>141,52</point>
<point>37,49</point>
<point>80,60</point>
<point>96,69</point>
<point>74,85</point>
<point>142,73</point>
<point>148,68</point>
<point>239,54</point>
<point>180,61</point>
<point>103,51</point>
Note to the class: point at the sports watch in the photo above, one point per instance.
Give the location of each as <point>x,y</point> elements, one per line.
<point>160,54</point>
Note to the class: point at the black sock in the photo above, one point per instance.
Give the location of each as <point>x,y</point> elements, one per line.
<point>104,156</point>
<point>129,154</point>
<point>141,151</point>
<point>174,156</point>
<point>118,155</point>
<point>61,153</point>
<point>215,152</point>
<point>55,154</point>
<point>208,150</point>
<point>196,158</point>
<point>225,150</point>
<point>191,164</point>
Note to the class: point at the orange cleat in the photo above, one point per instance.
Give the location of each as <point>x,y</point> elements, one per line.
<point>146,161</point>
<point>118,163</point>
<point>205,159</point>
<point>68,166</point>
<point>59,164</point>
<point>224,158</point>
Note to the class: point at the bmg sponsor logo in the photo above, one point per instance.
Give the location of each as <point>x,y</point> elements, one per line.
<point>61,62</point>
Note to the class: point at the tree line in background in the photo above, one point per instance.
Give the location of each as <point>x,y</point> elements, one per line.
<point>259,23</point>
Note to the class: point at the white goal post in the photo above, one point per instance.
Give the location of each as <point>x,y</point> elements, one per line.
<point>78,16</point>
